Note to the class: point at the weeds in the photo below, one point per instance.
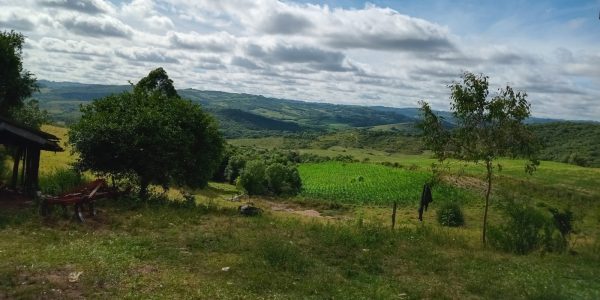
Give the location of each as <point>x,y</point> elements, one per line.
<point>450,214</point>
<point>60,181</point>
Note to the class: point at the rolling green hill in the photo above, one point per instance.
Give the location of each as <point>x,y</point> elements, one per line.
<point>240,115</point>
<point>571,142</point>
<point>321,125</point>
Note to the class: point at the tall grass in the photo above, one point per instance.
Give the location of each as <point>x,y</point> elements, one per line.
<point>60,181</point>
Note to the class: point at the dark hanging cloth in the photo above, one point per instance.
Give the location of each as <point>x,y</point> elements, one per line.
<point>426,198</point>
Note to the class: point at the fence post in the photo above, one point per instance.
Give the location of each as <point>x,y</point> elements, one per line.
<point>394,214</point>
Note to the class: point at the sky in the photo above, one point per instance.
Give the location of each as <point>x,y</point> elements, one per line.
<point>390,53</point>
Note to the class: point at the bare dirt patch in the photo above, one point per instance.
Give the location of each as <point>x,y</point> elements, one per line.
<point>466,182</point>
<point>294,209</point>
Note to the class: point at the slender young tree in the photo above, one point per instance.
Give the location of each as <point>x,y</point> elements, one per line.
<point>486,128</point>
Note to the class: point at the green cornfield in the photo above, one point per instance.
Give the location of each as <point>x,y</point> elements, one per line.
<point>360,183</point>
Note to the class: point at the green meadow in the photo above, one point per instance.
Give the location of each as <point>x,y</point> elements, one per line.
<point>346,250</point>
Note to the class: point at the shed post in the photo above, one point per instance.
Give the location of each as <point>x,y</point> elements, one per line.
<point>15,173</point>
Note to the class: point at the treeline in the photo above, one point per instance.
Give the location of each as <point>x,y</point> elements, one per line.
<point>388,141</point>
<point>570,142</point>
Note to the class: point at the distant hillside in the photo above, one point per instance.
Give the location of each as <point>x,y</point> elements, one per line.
<point>62,99</point>
<point>376,127</point>
<point>240,115</point>
<point>570,142</point>
<point>415,113</point>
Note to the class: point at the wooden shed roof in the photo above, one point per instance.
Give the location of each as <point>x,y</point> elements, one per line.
<point>15,134</point>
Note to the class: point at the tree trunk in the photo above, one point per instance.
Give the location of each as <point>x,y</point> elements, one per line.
<point>144,183</point>
<point>487,198</point>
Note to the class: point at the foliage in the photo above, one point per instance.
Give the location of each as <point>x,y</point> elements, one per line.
<point>16,84</point>
<point>382,140</point>
<point>156,81</point>
<point>147,136</point>
<point>282,179</point>
<point>486,128</point>
<point>563,221</point>
<point>234,167</point>
<point>253,178</point>
<point>60,181</point>
<point>261,177</point>
<point>450,214</point>
<point>525,229</point>
<point>30,114</point>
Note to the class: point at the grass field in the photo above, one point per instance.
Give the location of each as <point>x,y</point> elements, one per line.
<point>159,252</point>
<point>135,251</point>
<point>51,161</point>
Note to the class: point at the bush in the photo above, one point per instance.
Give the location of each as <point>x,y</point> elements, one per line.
<point>526,229</point>
<point>234,167</point>
<point>450,215</point>
<point>252,178</point>
<point>283,180</point>
<point>60,181</point>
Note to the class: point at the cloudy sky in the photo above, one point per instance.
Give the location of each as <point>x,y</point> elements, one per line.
<point>390,53</point>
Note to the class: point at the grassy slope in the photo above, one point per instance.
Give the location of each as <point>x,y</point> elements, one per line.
<point>165,252</point>
<point>175,253</point>
<point>50,161</point>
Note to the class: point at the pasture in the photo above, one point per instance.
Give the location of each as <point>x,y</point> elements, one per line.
<point>155,251</point>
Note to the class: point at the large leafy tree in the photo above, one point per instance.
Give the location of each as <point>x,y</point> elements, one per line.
<point>16,84</point>
<point>150,135</point>
<point>487,128</point>
<point>30,114</point>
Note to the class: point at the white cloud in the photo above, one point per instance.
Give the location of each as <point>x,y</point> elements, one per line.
<point>214,42</point>
<point>371,55</point>
<point>96,26</point>
<point>145,54</point>
<point>84,6</point>
<point>71,46</point>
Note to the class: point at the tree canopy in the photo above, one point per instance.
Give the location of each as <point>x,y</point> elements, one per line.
<point>150,135</point>
<point>486,128</point>
<point>16,84</point>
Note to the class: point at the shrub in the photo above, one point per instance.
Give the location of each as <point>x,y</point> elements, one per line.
<point>60,181</point>
<point>252,178</point>
<point>283,180</point>
<point>450,215</point>
<point>234,167</point>
<point>526,229</point>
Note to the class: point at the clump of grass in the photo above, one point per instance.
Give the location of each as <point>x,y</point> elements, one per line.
<point>283,255</point>
<point>60,181</point>
<point>451,215</point>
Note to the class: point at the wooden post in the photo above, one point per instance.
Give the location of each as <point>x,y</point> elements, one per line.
<point>28,172</point>
<point>394,214</point>
<point>23,167</point>
<point>15,174</point>
<point>34,174</point>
